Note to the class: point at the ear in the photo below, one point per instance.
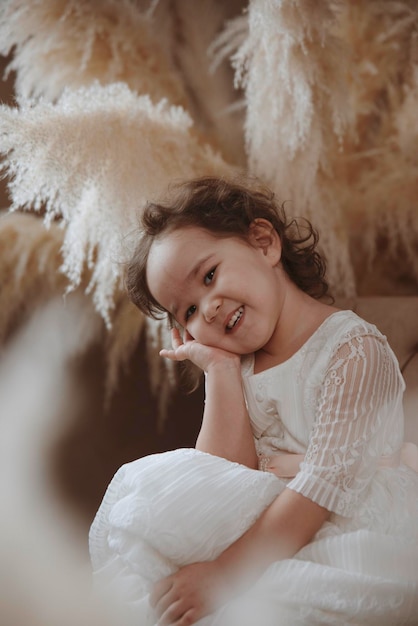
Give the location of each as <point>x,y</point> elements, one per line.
<point>264,236</point>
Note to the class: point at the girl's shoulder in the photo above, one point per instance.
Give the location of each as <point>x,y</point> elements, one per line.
<point>340,328</point>
<point>346,337</point>
<point>345,324</point>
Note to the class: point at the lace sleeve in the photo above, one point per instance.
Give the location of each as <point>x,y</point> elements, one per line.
<point>358,419</point>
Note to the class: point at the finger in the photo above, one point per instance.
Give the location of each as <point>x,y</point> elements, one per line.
<point>168,608</point>
<point>160,589</point>
<point>174,614</point>
<point>173,355</point>
<point>167,354</point>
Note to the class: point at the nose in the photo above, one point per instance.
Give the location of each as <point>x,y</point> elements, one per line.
<point>211,308</point>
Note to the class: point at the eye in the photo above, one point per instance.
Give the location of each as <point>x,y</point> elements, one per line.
<point>190,311</point>
<point>209,276</point>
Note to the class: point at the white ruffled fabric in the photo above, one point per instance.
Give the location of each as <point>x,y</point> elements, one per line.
<point>153,518</point>
<point>167,510</point>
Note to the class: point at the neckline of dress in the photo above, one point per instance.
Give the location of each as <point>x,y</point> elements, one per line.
<point>249,360</point>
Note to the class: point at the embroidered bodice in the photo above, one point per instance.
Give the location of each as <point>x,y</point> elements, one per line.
<point>338,400</point>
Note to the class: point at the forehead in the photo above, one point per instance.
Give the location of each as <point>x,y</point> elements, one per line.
<point>174,260</point>
<point>181,245</point>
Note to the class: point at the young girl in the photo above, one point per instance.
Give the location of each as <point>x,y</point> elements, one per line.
<point>296,506</point>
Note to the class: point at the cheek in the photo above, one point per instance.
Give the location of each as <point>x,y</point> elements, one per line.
<point>188,334</point>
<point>194,331</point>
<point>201,332</point>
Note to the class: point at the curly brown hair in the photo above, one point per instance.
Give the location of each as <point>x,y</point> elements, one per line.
<point>227,208</point>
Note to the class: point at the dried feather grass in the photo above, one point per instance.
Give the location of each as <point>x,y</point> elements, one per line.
<point>89,163</point>
<point>29,267</point>
<point>31,276</point>
<point>292,68</point>
<point>210,86</point>
<point>70,43</point>
<point>121,340</point>
<point>379,168</point>
<point>162,373</point>
<point>382,37</point>
<point>92,161</point>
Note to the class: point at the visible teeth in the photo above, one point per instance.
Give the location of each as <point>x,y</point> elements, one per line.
<point>234,319</point>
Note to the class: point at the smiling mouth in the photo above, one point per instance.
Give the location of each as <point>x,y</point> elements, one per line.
<point>235,318</point>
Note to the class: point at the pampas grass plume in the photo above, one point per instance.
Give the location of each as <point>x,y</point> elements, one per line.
<point>29,266</point>
<point>292,68</point>
<point>71,43</point>
<point>92,161</point>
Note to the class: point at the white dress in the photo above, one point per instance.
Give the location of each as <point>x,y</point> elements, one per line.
<point>338,402</point>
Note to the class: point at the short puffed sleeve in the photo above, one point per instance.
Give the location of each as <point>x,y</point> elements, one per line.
<point>358,419</point>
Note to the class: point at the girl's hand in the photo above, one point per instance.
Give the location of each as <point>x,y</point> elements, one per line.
<point>203,356</point>
<point>282,465</point>
<point>188,595</point>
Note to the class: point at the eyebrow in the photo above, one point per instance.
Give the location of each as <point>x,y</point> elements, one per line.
<point>192,274</point>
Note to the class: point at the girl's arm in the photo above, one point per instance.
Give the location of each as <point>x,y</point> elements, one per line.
<point>226,429</point>
<point>286,526</point>
<point>196,590</point>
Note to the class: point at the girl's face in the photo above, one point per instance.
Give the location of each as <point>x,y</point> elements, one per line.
<point>227,292</point>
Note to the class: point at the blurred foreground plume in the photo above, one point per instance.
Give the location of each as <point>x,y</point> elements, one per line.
<point>43,566</point>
